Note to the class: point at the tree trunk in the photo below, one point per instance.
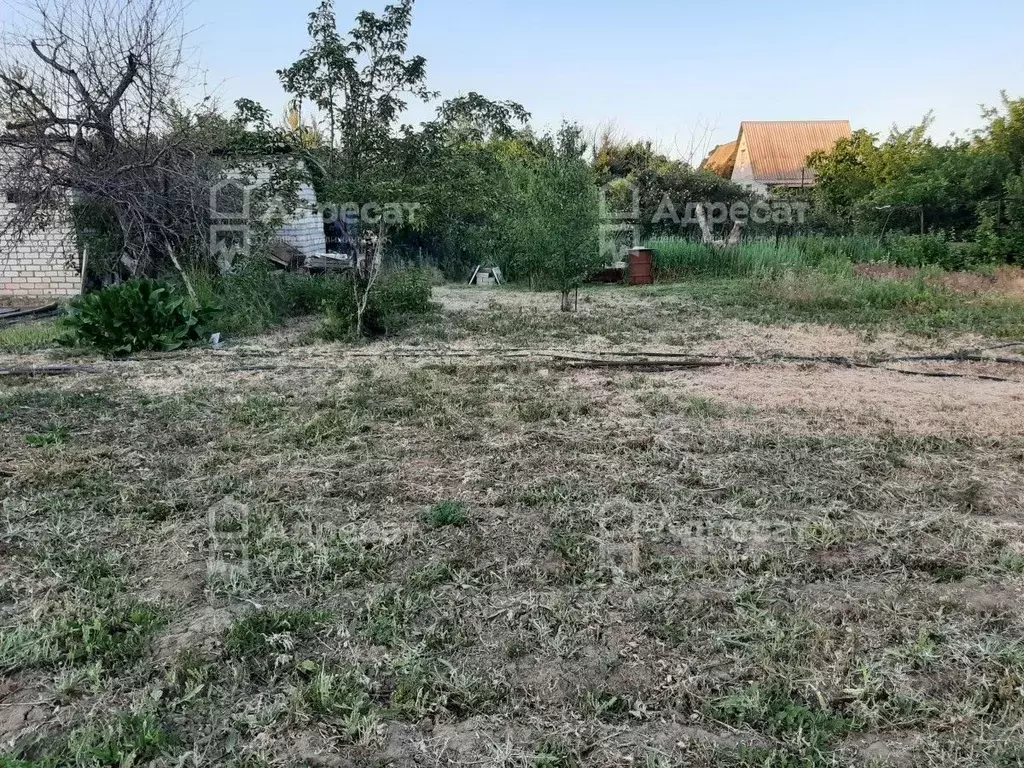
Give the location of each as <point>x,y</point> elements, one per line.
<point>567,304</point>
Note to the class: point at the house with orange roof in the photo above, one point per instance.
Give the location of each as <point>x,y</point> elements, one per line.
<point>771,154</point>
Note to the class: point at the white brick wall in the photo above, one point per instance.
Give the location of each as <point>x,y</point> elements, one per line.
<point>42,264</point>
<point>46,264</point>
<point>302,227</point>
<point>305,229</point>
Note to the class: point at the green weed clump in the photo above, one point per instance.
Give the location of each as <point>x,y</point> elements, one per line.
<point>395,299</point>
<point>140,315</point>
<point>854,249</point>
<point>128,739</point>
<point>448,513</point>
<point>258,297</point>
<point>924,251</point>
<point>252,635</point>
<point>111,636</point>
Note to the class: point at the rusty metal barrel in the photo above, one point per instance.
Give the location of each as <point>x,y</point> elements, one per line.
<point>641,266</point>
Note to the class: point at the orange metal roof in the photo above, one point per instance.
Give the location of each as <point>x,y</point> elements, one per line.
<point>722,160</point>
<point>779,150</point>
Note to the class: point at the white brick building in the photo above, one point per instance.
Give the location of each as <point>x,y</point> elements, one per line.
<point>305,228</point>
<point>302,227</point>
<point>44,264</point>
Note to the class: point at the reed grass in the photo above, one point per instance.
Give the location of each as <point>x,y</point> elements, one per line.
<point>679,257</point>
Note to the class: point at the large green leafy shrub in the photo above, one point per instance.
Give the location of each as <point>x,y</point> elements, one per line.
<point>394,299</point>
<point>134,316</point>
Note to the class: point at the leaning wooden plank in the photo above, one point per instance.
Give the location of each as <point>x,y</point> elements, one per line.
<point>285,255</point>
<point>14,315</point>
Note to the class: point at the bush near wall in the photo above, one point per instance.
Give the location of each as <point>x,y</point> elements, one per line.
<point>395,299</point>
<point>259,297</point>
<point>140,315</point>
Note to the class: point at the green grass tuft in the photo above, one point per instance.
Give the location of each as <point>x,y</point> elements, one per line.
<point>29,337</point>
<point>256,634</point>
<point>448,513</point>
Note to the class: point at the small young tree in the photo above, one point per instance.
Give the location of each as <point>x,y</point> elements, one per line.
<point>359,82</point>
<point>554,215</point>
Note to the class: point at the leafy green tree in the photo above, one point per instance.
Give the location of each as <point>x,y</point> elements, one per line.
<point>1003,135</point>
<point>906,178</point>
<point>360,82</point>
<point>846,175</point>
<point>619,160</point>
<point>553,212</point>
<point>667,189</point>
<point>454,167</point>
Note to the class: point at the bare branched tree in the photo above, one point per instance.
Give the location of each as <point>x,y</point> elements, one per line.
<point>89,93</point>
<point>698,144</point>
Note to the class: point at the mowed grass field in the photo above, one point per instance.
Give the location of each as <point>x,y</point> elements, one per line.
<point>456,549</point>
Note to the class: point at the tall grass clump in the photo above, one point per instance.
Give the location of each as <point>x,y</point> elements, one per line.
<point>258,297</point>
<point>855,249</point>
<point>676,257</point>
<point>822,294</point>
<point>28,337</point>
<point>395,299</point>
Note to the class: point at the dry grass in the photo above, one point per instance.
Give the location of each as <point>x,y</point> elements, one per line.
<point>1003,280</point>
<point>772,566</point>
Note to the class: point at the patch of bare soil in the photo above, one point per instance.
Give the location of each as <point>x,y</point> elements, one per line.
<point>200,633</point>
<point>22,709</point>
<point>843,401</point>
<point>744,339</point>
<point>885,749</point>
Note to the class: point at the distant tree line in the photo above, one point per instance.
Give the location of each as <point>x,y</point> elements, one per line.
<point>92,100</point>
<point>966,190</point>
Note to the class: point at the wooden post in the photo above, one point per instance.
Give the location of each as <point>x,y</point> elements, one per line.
<point>85,267</point>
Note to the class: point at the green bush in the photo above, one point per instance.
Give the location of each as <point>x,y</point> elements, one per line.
<point>990,248</point>
<point>856,249</point>
<point>395,298</point>
<point>260,297</point>
<point>923,251</point>
<point>134,316</point>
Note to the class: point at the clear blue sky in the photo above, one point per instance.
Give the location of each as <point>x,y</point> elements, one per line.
<point>662,69</point>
